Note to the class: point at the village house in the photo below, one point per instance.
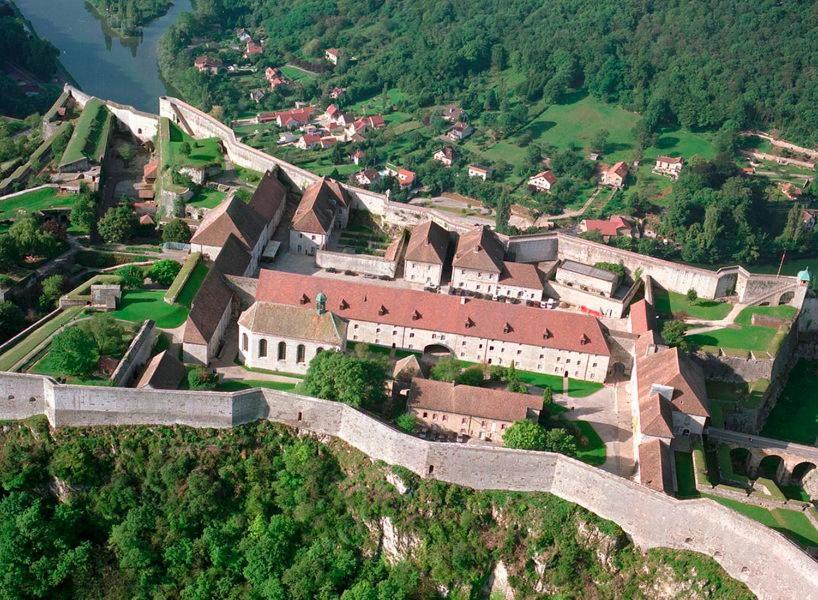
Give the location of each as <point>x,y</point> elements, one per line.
<point>669,165</point>
<point>252,49</point>
<point>295,117</point>
<point>287,137</point>
<point>275,78</point>
<point>616,175</point>
<point>208,64</point>
<point>333,55</point>
<point>257,95</point>
<point>323,209</point>
<point>243,35</point>
<point>553,341</point>
<point>808,218</point>
<point>483,173</point>
<point>405,177</point>
<point>542,182</point>
<point>453,113</point>
<point>612,227</point>
<point>790,191</point>
<point>520,281</point>
<point>357,156</point>
<point>445,156</point>
<point>426,254</point>
<point>363,124</point>
<point>367,177</point>
<point>308,141</point>
<point>477,413</point>
<point>460,131</point>
<point>337,92</point>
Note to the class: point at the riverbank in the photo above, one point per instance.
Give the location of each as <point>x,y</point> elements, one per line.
<point>121,25</point>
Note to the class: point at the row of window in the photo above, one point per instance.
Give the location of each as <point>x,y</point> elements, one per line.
<point>463,420</point>
<point>300,350</point>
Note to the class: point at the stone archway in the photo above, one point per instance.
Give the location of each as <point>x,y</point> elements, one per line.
<point>740,460</point>
<point>771,467</point>
<point>805,474</point>
<point>786,297</point>
<point>438,350</point>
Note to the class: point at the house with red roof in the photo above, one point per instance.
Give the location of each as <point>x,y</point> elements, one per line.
<point>337,92</point>
<point>292,118</point>
<point>333,55</point>
<point>542,181</point>
<point>208,64</point>
<point>366,177</point>
<point>616,175</point>
<point>252,49</point>
<point>479,171</point>
<point>426,254</point>
<point>669,165</point>
<point>308,141</point>
<point>445,156</point>
<point>547,341</point>
<point>357,156</point>
<point>323,209</point>
<point>612,227</point>
<point>478,261</point>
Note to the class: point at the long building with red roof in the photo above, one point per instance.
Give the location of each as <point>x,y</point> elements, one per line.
<point>546,341</point>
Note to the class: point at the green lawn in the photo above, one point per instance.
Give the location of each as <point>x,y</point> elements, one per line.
<point>37,337</point>
<point>685,479</point>
<point>297,74</point>
<point>203,153</point>
<point>46,366</point>
<point>33,201</point>
<point>745,336</point>
<point>136,306</point>
<point>383,350</point>
<point>192,285</point>
<point>375,104</point>
<point>671,304</point>
<point>793,524</point>
<point>90,133</point>
<point>795,415</point>
<point>577,388</point>
<point>591,448</point>
<point>207,198</point>
<point>233,385</point>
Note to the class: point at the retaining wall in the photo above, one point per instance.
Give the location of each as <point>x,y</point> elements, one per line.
<point>135,356</point>
<point>358,263</point>
<point>652,519</point>
<point>142,125</point>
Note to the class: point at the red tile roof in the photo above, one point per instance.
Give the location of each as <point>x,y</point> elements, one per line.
<point>674,369</point>
<point>231,216</point>
<point>209,305</point>
<point>480,250</point>
<point>611,227</point>
<point>642,317</point>
<point>654,466</point>
<point>671,160</point>
<point>547,175</point>
<point>428,243</point>
<point>515,323</point>
<point>498,405</point>
<point>150,169</point>
<point>521,275</point>
<point>318,205</point>
<point>269,196</point>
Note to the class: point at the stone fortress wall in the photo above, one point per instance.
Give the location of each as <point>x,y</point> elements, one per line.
<point>779,571</point>
<point>144,126</point>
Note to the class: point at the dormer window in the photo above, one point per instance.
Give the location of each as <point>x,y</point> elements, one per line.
<point>469,323</point>
<point>584,339</point>
<point>547,335</point>
<point>382,310</point>
<point>304,299</point>
<point>343,304</point>
<point>416,315</point>
<point>507,328</point>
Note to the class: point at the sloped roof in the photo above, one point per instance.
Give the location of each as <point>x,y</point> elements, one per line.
<point>547,175</point>
<point>656,416</point>
<point>428,243</point>
<point>269,196</point>
<point>654,466</point>
<point>318,206</point>
<point>642,317</point>
<point>233,258</point>
<point>294,322</point>
<point>610,226</point>
<point>673,368</point>
<point>671,160</point>
<point>589,271</point>
<point>208,307</point>
<point>481,250</point>
<point>408,365</point>
<point>438,312</point>
<point>164,372</point>
<point>500,405</point>
<point>231,216</point>
<point>521,275</point>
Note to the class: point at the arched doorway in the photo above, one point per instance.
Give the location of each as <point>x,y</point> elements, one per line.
<point>769,466</point>
<point>786,297</point>
<point>438,350</point>
<point>800,471</point>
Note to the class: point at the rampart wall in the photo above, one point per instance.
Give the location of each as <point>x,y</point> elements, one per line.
<point>142,125</point>
<point>780,571</point>
<point>357,263</point>
<point>135,356</point>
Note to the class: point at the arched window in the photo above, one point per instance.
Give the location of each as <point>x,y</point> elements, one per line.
<point>282,351</point>
<point>262,348</point>
<point>244,342</point>
<point>301,354</point>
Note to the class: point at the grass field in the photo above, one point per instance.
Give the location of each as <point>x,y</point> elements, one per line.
<point>203,153</point>
<point>746,336</point>
<point>233,385</point>
<point>671,304</point>
<point>577,388</point>
<point>136,306</point>
<point>685,479</point>
<point>591,448</point>
<point>795,415</point>
<point>192,285</point>
<point>90,134</point>
<point>207,198</point>
<point>793,524</point>
<point>37,337</point>
<point>297,74</point>
<point>34,201</point>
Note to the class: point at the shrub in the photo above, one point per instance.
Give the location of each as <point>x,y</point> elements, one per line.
<point>471,376</point>
<point>333,375</point>
<point>52,289</point>
<point>616,268</point>
<point>446,369</point>
<point>201,378</point>
<point>12,320</point>
<point>111,337</point>
<point>117,224</point>
<point>673,332</point>
<point>525,435</point>
<point>406,422</point>
<point>176,231</point>
<point>131,276</point>
<point>164,271</point>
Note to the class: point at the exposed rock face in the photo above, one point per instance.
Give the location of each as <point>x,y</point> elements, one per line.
<point>666,585</point>
<point>603,544</point>
<point>394,546</point>
<point>396,481</point>
<point>497,584</point>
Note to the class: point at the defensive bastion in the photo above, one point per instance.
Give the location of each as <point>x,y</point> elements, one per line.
<point>771,565</point>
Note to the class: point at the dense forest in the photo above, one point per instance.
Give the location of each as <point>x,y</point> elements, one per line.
<point>20,48</point>
<point>128,16</point>
<point>256,512</point>
<point>698,64</point>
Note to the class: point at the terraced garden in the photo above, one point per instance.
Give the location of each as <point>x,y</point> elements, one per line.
<point>91,133</point>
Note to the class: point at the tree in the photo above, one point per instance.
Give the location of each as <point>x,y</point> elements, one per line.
<point>472,376</point>
<point>333,375</point>
<point>184,149</point>
<point>513,381</point>
<point>673,332</point>
<point>599,141</point>
<point>525,435</point>
<point>75,352</point>
<point>692,296</point>
<point>177,231</point>
<point>9,253</point>
<point>131,277</point>
<point>202,378</point>
<point>52,289</point>
<point>547,403</point>
<point>117,224</point>
<point>83,211</point>
<point>126,152</point>
<point>559,440</point>
<point>406,422</point>
<point>446,369</point>
<point>110,336</point>
<point>12,320</point>
<point>164,271</point>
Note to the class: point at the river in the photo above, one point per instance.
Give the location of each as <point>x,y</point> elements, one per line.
<point>102,63</point>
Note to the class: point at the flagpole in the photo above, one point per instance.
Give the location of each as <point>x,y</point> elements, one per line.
<point>781,264</point>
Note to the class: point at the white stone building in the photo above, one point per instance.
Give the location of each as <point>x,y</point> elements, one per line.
<point>426,254</point>
<point>587,278</point>
<point>478,262</point>
<point>324,209</point>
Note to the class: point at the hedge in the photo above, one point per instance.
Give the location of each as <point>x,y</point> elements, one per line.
<point>101,259</point>
<point>181,278</point>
